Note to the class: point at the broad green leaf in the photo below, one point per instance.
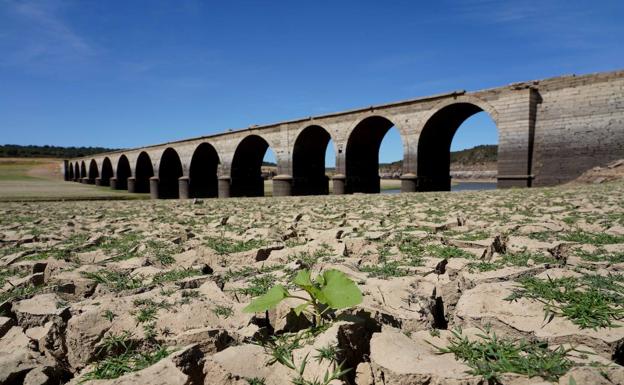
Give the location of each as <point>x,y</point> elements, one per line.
<point>339,290</point>
<point>300,308</point>
<point>267,301</point>
<point>303,279</point>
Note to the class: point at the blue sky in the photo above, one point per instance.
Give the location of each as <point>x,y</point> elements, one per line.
<point>130,73</point>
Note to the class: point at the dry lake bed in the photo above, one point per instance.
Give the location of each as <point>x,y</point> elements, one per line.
<point>508,286</point>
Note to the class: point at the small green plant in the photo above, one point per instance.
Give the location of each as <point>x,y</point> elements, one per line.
<point>224,246</point>
<point>474,236</point>
<point>442,251</point>
<point>331,290</point>
<point>258,285</point>
<point>174,275</point>
<point>109,315</point>
<point>328,353</point>
<point>127,362</point>
<point>114,280</point>
<point>223,311</point>
<point>20,292</point>
<point>543,236</point>
<point>510,259</point>
<point>491,356</point>
<point>255,381</point>
<point>281,349</point>
<point>589,301</point>
<point>146,314</point>
<point>592,239</point>
<point>601,255</point>
<point>116,343</point>
<point>385,270</point>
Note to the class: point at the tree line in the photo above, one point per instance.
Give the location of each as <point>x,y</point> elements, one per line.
<point>18,151</point>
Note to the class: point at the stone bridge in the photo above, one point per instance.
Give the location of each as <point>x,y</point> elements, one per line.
<point>549,132</point>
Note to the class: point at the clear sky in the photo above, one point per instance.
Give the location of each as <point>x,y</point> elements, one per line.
<point>130,73</point>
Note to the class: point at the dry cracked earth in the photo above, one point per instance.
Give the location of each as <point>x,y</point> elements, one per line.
<point>511,287</point>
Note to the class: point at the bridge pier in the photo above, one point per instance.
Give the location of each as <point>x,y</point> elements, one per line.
<point>282,185</point>
<point>102,182</point>
<point>408,182</point>
<point>131,184</point>
<point>153,186</point>
<point>338,181</point>
<point>184,187</point>
<point>113,183</point>
<point>66,170</point>
<point>433,183</point>
<point>224,186</point>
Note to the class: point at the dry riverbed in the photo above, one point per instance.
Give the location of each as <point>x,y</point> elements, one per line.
<point>515,286</point>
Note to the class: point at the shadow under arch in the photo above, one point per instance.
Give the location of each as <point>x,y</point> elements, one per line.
<point>246,172</point>
<point>143,172</point>
<point>93,171</point>
<point>434,144</point>
<point>309,162</point>
<point>362,154</point>
<point>203,181</point>
<point>83,170</point>
<point>71,171</point>
<point>169,171</point>
<point>123,173</point>
<point>107,172</point>
<point>76,172</point>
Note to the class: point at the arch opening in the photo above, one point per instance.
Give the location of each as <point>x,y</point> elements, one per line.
<point>123,173</point>
<point>203,181</point>
<point>71,171</point>
<point>93,170</point>
<point>83,170</point>
<point>76,172</point>
<point>362,155</point>
<point>309,153</point>
<point>143,172</point>
<point>246,172</point>
<point>107,172</point>
<point>169,171</point>
<point>436,138</point>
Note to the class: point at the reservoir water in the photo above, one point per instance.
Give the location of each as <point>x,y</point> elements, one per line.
<point>461,186</point>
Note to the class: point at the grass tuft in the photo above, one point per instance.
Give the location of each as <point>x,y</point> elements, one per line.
<point>492,356</point>
<point>589,301</point>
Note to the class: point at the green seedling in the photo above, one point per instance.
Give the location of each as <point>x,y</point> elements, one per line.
<point>331,290</point>
<point>492,356</point>
<point>589,301</point>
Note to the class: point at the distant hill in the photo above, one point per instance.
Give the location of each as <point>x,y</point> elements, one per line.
<point>17,151</point>
<point>486,153</point>
<point>479,154</point>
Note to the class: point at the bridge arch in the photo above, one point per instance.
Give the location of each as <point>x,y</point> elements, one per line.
<point>434,143</point>
<point>143,171</point>
<point>362,154</point>
<point>107,172</point>
<point>71,171</point>
<point>83,169</point>
<point>203,170</point>
<point>169,171</point>
<point>308,162</point>
<point>93,171</point>
<point>123,173</point>
<point>76,171</point>
<point>246,169</point>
